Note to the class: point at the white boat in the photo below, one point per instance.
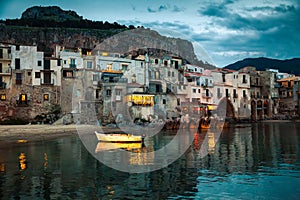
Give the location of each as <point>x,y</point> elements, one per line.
<point>118,137</point>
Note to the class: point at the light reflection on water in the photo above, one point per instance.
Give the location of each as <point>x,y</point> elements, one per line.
<point>259,161</point>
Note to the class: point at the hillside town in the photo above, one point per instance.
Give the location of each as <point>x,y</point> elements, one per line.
<point>93,86</point>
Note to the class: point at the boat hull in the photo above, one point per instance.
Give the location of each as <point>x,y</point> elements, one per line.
<point>112,137</point>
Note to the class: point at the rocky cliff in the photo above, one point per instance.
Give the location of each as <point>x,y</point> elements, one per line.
<point>26,32</point>
<point>50,13</point>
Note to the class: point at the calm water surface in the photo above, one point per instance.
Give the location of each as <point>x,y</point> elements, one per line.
<point>259,161</point>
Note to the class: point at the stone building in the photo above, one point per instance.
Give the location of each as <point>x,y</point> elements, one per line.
<point>25,96</point>
<point>289,95</point>
<point>233,89</point>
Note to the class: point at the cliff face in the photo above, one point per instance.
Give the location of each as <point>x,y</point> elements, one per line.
<point>47,38</point>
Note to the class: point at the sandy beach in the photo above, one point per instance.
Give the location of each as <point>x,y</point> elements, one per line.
<point>35,132</point>
<point>41,132</point>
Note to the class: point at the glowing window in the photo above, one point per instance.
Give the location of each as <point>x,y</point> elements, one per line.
<point>3,97</point>
<point>46,97</point>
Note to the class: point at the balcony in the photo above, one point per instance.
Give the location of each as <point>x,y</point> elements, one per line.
<point>6,72</point>
<point>47,82</point>
<point>72,66</point>
<point>5,57</point>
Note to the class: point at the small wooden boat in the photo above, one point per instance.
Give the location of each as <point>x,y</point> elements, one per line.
<point>118,137</point>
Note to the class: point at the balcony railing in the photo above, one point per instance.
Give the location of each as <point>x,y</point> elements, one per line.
<point>207,95</point>
<point>6,57</point>
<point>245,81</point>
<point>47,82</point>
<point>6,72</point>
<point>72,66</point>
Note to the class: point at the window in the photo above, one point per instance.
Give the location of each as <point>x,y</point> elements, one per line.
<point>108,92</point>
<point>194,90</point>
<point>89,64</point>
<point>65,62</point>
<point>95,77</point>
<point>118,92</point>
<point>17,47</point>
<point>17,63</point>
<point>176,64</point>
<point>18,78</point>
<point>68,74</point>
<point>23,99</point>
<point>1,53</point>
<point>37,75</point>
<point>2,97</point>
<point>156,61</point>
<point>47,64</point>
<point>72,63</point>
<point>199,91</point>
<point>58,62</point>
<point>227,92</point>
<point>173,74</point>
<point>166,63</point>
<point>142,64</point>
<point>124,67</point>
<point>207,92</point>
<point>46,97</point>
<point>29,73</point>
<point>178,101</point>
<point>39,63</point>
<point>244,79</point>
<point>169,73</point>
<point>244,94</point>
<point>164,101</point>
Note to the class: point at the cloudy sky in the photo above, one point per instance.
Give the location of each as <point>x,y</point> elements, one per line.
<point>222,31</point>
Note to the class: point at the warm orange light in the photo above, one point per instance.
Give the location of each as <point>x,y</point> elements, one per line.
<point>23,97</point>
<point>22,161</point>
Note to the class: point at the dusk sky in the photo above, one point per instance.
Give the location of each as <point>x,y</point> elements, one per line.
<point>228,30</point>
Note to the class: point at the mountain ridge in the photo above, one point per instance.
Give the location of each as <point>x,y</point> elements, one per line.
<point>262,63</point>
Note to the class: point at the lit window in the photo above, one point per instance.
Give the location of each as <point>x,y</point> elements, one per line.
<point>3,97</point>
<point>23,97</point>
<point>46,97</point>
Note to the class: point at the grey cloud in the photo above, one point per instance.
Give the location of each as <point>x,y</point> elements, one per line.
<point>159,9</point>
<point>162,8</point>
<point>282,8</point>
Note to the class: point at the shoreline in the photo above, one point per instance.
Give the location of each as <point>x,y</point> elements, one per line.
<point>47,131</point>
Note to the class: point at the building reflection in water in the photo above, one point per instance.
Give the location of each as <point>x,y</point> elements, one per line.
<point>63,168</point>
